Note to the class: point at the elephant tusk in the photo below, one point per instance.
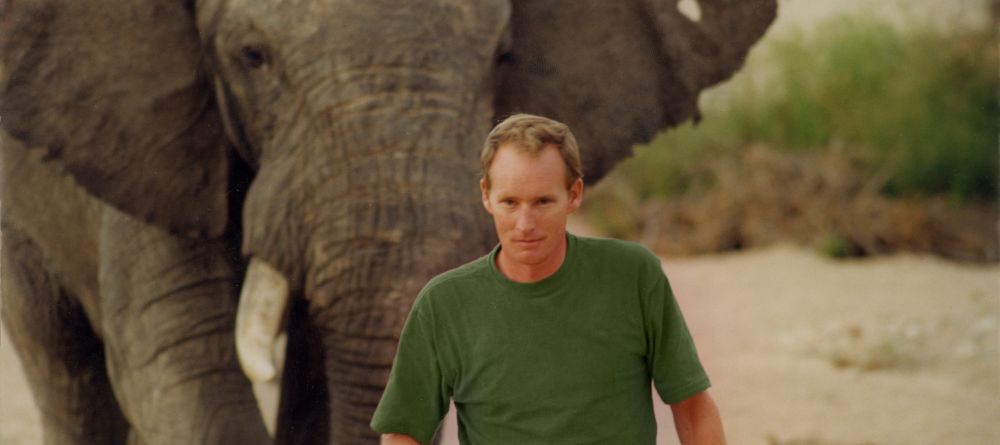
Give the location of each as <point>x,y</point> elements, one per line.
<point>258,320</point>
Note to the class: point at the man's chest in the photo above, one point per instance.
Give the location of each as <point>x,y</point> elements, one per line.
<point>557,350</point>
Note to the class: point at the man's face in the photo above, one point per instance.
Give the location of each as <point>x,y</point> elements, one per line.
<point>530,202</point>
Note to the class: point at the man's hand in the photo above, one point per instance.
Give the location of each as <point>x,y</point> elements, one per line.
<point>398,439</point>
<point>697,421</point>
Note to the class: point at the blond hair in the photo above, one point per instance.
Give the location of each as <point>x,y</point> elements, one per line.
<point>531,134</point>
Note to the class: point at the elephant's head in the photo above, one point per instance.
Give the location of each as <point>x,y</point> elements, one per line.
<point>357,125</point>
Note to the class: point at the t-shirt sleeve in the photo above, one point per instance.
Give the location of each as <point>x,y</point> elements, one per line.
<point>416,397</point>
<point>671,356</point>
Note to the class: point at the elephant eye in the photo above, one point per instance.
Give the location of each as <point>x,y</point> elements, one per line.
<point>505,58</point>
<point>503,54</point>
<point>254,56</point>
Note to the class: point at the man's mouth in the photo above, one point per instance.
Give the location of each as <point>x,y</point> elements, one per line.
<point>528,242</point>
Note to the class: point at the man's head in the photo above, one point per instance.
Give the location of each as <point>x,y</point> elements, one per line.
<point>531,134</point>
<point>531,184</point>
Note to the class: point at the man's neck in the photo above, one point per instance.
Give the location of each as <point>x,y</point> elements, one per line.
<point>530,273</point>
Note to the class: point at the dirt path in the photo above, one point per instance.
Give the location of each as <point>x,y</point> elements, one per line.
<point>899,350</point>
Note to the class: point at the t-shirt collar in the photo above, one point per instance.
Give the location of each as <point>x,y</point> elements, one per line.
<point>545,285</point>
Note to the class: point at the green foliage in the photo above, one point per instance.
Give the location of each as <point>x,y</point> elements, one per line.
<point>835,245</point>
<point>672,164</point>
<point>917,104</point>
<point>612,210</point>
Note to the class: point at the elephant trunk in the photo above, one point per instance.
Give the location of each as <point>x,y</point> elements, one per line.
<point>377,215</point>
<point>363,287</point>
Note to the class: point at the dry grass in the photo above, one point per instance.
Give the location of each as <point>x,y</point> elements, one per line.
<point>821,199</point>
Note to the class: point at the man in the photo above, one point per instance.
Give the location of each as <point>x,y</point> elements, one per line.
<point>551,338</point>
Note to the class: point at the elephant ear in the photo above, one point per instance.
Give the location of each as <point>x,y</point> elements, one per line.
<point>619,71</point>
<point>117,93</point>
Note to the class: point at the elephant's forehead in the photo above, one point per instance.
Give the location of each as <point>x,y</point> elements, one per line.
<point>371,22</point>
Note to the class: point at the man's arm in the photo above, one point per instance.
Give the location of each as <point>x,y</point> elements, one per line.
<point>698,421</point>
<point>416,396</point>
<point>398,439</point>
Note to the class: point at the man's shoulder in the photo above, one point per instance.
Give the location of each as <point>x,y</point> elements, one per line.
<point>624,262</point>
<point>467,274</point>
<point>617,251</point>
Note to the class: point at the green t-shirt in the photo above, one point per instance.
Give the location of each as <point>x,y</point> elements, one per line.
<point>565,360</point>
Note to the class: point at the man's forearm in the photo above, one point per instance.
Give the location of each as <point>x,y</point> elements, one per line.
<point>398,439</point>
<point>698,421</point>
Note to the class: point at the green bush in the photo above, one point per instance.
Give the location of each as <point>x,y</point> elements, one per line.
<point>612,210</point>
<point>918,104</point>
<point>835,245</point>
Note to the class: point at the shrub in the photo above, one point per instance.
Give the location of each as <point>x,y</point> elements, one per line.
<point>835,245</point>
<point>919,105</point>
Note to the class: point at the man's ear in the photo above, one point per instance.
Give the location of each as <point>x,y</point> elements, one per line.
<point>485,190</point>
<point>576,194</point>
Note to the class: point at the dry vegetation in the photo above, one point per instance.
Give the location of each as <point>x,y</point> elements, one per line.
<point>819,199</point>
<point>854,135</point>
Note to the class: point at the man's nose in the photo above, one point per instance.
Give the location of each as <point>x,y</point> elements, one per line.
<point>525,221</point>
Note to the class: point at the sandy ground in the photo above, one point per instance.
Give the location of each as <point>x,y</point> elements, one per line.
<point>803,349</point>
<point>899,350</point>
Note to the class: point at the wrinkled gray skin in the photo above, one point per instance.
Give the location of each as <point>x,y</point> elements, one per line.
<point>152,148</point>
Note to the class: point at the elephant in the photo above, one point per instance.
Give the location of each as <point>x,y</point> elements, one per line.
<point>184,180</point>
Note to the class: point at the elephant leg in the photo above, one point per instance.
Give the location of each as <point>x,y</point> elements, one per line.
<point>169,308</point>
<point>62,357</point>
